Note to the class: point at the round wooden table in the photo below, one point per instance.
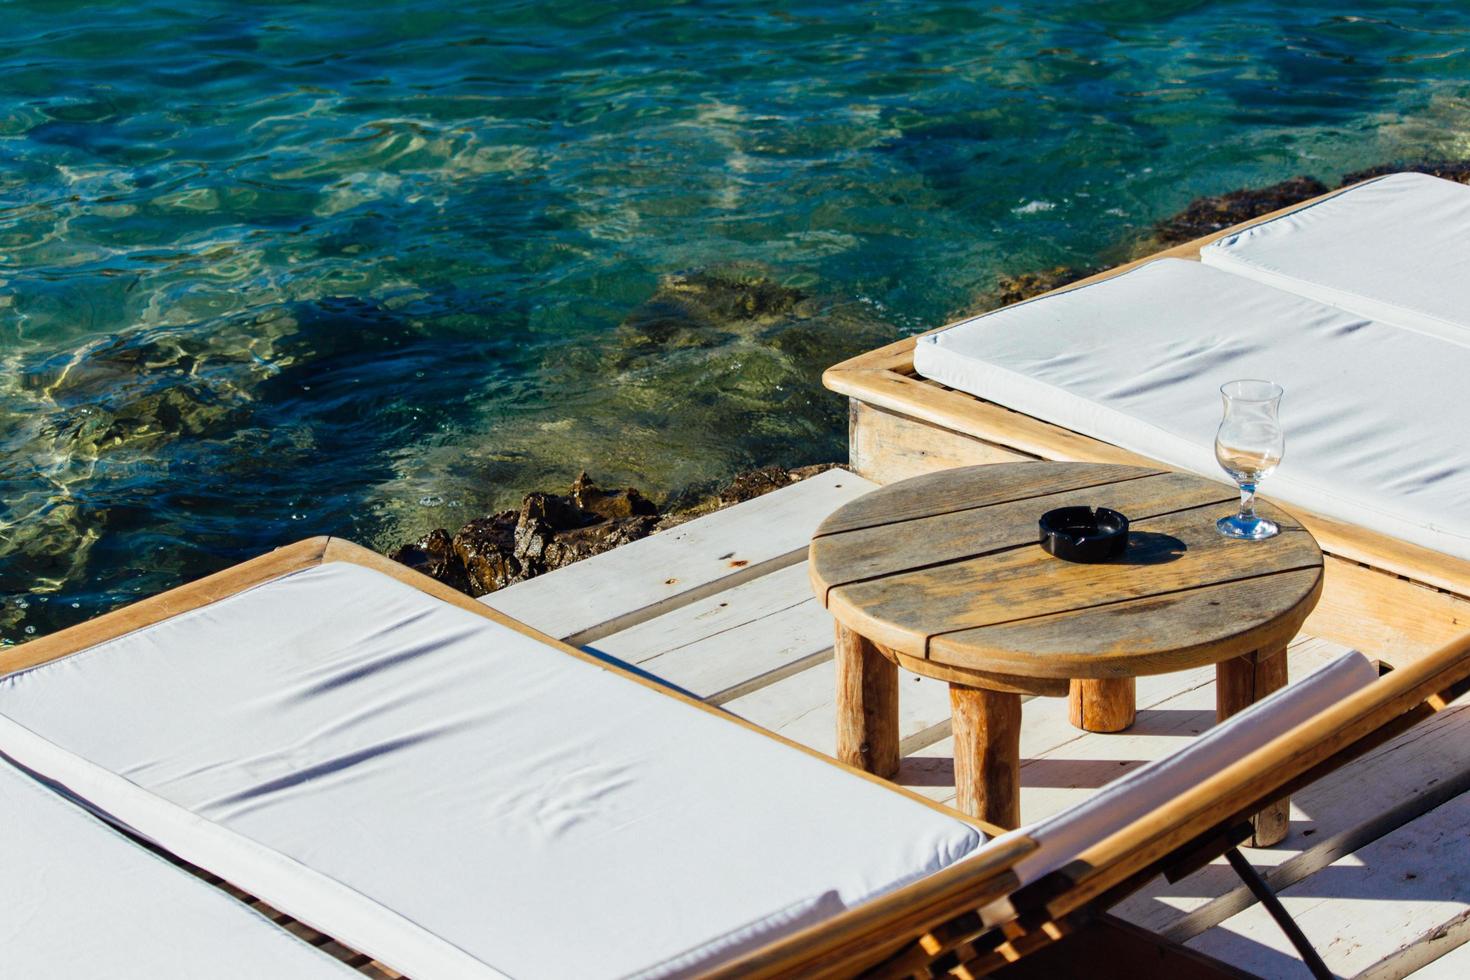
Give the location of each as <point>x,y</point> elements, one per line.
<point>943,575</point>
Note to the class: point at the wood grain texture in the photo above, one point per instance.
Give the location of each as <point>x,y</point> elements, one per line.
<point>967,488</point>
<point>1050,687</point>
<point>885,447</point>
<point>734,642</point>
<point>1106,705</point>
<point>943,613</point>
<point>841,557</point>
<point>867,705</point>
<point>1124,627</point>
<point>1239,683</point>
<point>987,753</point>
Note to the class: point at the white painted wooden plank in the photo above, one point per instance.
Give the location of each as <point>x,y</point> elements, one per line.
<point>593,598</point>
<point>803,708</point>
<point>1336,815</point>
<point>1384,911</point>
<point>725,646</point>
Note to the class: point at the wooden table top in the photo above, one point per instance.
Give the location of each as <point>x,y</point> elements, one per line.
<point>946,570</point>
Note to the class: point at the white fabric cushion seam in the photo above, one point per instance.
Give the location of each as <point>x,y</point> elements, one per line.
<point>240,860</point>
<point>1216,257</point>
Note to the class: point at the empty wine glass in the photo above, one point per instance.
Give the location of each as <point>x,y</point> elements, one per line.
<point>1249,445</point>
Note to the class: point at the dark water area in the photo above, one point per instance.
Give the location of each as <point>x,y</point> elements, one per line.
<point>270,270</point>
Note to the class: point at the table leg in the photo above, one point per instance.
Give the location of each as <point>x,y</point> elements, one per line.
<point>987,753</point>
<point>1240,683</point>
<point>1103,705</point>
<point>867,705</point>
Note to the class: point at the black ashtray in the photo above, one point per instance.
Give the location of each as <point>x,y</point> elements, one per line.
<point>1085,534</point>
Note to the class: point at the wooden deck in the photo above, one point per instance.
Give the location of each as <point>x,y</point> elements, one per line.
<point>1376,867</point>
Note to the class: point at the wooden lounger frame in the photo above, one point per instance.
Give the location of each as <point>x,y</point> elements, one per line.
<point>1192,829</point>
<point>970,918</point>
<point>1384,596</point>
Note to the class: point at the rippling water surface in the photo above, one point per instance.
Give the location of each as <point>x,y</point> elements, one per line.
<point>276,269</point>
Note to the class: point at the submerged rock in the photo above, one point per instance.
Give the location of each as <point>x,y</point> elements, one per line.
<point>706,308</point>
<point>551,530</point>
<point>1207,215</point>
<point>1010,289</point>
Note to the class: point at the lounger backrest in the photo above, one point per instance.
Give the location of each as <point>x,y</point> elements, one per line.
<point>453,795</point>
<point>1088,858</point>
<point>1061,838</point>
<point>1352,722</point>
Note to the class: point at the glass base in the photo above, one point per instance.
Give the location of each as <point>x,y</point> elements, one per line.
<point>1251,529</point>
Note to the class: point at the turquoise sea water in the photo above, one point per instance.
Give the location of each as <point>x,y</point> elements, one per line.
<point>276,269</point>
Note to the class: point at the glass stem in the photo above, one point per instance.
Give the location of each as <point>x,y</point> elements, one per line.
<point>1248,502</point>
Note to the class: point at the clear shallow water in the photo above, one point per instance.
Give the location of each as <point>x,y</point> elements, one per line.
<point>271,270</point>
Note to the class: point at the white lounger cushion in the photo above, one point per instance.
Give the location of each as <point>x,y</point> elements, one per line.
<point>1065,835</point>
<point>1396,249</point>
<point>81,900</point>
<point>456,798</point>
<point>1375,415</point>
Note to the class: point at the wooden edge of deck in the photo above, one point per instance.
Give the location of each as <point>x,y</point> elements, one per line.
<point>885,378</point>
<point>986,876</point>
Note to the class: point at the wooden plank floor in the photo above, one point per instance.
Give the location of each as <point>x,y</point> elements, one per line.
<point>1377,864</point>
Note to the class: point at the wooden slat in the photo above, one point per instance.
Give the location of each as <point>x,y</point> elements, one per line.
<point>1210,611</point>
<point>905,611</point>
<point>840,557</point>
<point>1381,912</point>
<point>803,708</point>
<point>734,642</point>
<point>881,446</point>
<point>598,596</point>
<point>964,489</point>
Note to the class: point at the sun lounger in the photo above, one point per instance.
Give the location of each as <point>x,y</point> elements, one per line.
<point>81,900</point>
<point>448,792</point>
<point>1392,249</point>
<point>1374,413</point>
<point>1397,571</point>
<point>402,769</point>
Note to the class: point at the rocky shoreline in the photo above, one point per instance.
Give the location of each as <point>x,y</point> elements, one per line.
<point>550,530</point>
